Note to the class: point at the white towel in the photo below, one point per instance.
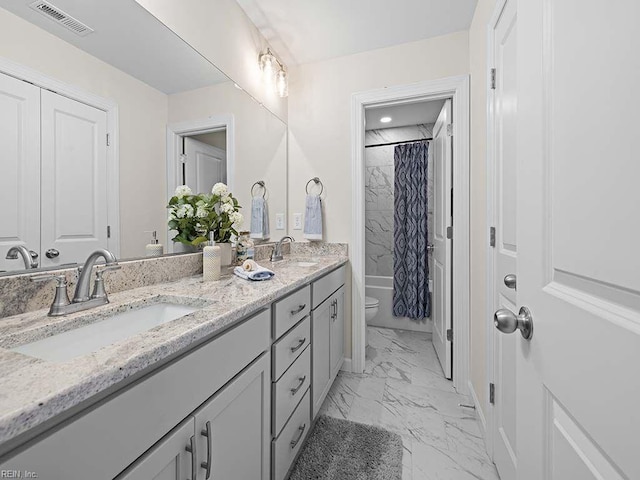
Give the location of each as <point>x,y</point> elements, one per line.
<point>313,218</point>
<point>259,219</point>
<point>258,274</point>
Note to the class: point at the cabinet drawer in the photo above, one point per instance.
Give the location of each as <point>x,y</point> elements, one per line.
<point>322,288</point>
<point>291,387</point>
<point>291,309</point>
<point>288,444</point>
<point>290,346</point>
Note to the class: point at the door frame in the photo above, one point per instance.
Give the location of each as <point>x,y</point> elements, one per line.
<point>487,417</point>
<point>176,131</point>
<point>24,73</point>
<point>456,88</point>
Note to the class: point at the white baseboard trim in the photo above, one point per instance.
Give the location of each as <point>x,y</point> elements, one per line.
<point>346,365</point>
<point>479,412</point>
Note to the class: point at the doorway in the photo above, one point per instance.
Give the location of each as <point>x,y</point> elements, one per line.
<point>455,88</point>
<point>199,154</point>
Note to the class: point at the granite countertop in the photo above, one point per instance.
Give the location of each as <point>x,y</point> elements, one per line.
<point>33,391</point>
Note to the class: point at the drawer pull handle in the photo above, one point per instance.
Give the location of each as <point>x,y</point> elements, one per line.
<point>295,441</point>
<point>295,390</point>
<point>301,342</point>
<point>300,308</point>
<point>191,448</point>
<point>206,432</point>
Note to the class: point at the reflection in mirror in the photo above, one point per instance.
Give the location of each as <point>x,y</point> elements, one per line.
<point>84,144</point>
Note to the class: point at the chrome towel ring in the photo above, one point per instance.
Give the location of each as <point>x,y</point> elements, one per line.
<point>259,183</point>
<point>317,181</point>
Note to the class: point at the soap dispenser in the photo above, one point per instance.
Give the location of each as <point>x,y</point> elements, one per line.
<point>211,260</point>
<point>154,249</point>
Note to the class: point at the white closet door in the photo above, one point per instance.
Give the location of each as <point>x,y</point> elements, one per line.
<point>205,165</point>
<point>74,180</point>
<point>442,182</point>
<point>20,179</point>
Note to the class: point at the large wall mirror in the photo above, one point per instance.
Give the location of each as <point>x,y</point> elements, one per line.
<point>115,112</point>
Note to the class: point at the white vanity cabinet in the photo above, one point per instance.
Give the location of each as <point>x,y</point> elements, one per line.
<point>104,440</point>
<point>327,319</point>
<point>228,437</point>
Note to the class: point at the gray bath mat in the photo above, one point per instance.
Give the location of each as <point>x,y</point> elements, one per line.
<point>343,450</point>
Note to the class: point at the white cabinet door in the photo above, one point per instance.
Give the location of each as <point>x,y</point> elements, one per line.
<point>74,179</point>
<point>20,179</point>
<point>205,165</point>
<point>336,344</point>
<point>578,230</point>
<point>168,460</point>
<point>442,184</point>
<point>234,427</point>
<point>321,335</point>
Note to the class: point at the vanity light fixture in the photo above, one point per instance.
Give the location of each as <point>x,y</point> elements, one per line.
<point>385,119</point>
<point>274,73</point>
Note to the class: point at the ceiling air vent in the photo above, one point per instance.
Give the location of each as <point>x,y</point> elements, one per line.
<point>67,21</point>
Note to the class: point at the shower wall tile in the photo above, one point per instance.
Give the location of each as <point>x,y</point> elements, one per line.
<point>379,195</point>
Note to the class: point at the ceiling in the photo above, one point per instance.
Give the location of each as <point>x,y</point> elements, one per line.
<point>303,31</point>
<point>129,38</point>
<point>403,115</point>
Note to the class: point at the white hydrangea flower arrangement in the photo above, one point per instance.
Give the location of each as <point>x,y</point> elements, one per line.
<point>193,216</point>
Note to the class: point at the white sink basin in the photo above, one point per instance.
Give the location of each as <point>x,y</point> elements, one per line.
<point>306,264</point>
<point>89,338</point>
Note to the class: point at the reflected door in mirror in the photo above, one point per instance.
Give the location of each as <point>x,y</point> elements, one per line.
<point>74,179</point>
<point>20,154</point>
<point>205,165</point>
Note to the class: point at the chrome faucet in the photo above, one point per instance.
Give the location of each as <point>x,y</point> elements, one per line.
<point>276,255</point>
<point>29,257</point>
<point>82,289</point>
<point>81,299</point>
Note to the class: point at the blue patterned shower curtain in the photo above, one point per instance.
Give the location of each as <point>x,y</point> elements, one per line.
<point>411,296</point>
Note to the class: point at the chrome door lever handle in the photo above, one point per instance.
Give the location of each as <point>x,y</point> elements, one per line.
<point>507,322</point>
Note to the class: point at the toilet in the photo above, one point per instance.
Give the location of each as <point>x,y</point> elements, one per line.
<point>370,308</point>
<point>370,311</point>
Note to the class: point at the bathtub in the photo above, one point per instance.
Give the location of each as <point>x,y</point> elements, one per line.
<point>382,289</point>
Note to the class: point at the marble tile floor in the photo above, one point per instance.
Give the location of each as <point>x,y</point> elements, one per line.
<point>403,390</point>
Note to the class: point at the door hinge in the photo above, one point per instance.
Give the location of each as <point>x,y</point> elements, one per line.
<point>493,79</point>
<point>492,394</point>
<point>183,158</point>
<point>108,231</point>
<point>449,232</point>
<point>450,335</point>
<point>108,140</point>
<point>450,129</point>
<point>492,236</point>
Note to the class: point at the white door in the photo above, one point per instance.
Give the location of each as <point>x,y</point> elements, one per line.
<point>578,238</point>
<point>20,179</point>
<point>205,165</point>
<point>74,180</point>
<point>503,139</point>
<point>443,220</point>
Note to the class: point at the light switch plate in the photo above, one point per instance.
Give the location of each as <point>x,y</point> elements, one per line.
<point>297,221</point>
<point>279,221</point>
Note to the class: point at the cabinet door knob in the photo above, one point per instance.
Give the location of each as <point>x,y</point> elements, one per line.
<point>301,342</point>
<point>299,309</point>
<point>191,448</point>
<point>206,432</point>
<point>295,441</point>
<point>295,390</point>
